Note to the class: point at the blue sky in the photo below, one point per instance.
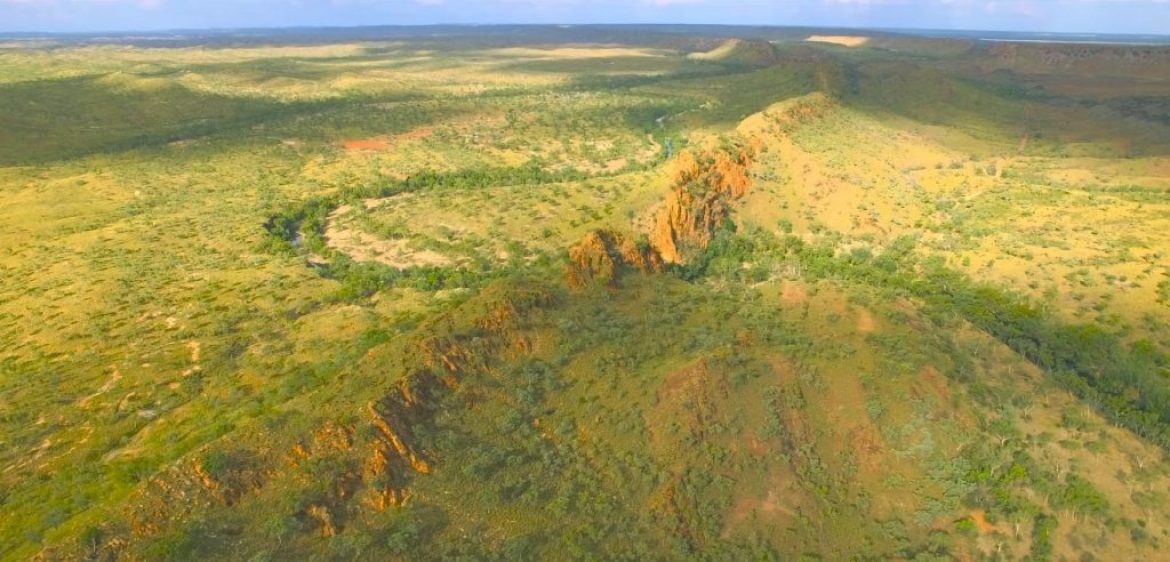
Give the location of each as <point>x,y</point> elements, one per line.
<point>1103,16</point>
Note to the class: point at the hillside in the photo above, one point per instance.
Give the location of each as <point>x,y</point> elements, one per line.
<point>629,297</point>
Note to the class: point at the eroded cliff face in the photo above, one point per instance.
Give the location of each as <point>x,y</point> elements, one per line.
<point>703,184</point>
<point>206,480</point>
<point>703,187</point>
<point>605,256</point>
<point>394,453</point>
<point>365,464</point>
<point>687,223</point>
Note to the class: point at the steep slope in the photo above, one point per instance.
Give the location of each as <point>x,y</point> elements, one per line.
<point>696,206</point>
<point>1004,190</point>
<point>747,52</point>
<point>605,257</point>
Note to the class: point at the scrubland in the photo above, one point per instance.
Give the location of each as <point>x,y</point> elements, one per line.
<point>885,298</point>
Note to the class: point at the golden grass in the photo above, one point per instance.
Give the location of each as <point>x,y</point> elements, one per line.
<point>718,53</point>
<point>139,320</point>
<point>1028,222</point>
<point>445,227</point>
<point>843,40</point>
<point>592,52</point>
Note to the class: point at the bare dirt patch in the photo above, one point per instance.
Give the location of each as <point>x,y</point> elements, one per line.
<point>395,253</point>
<point>575,52</point>
<point>774,506</point>
<point>869,445</point>
<point>363,246</point>
<point>865,322</point>
<point>196,350</point>
<point>384,143</point>
<point>981,523</point>
<point>682,381</point>
<point>196,353</point>
<point>114,378</point>
<point>793,293</point>
<point>720,52</point>
<point>935,382</point>
<point>376,143</point>
<point>843,40</point>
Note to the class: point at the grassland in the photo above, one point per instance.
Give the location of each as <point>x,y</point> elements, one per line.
<point>217,261</point>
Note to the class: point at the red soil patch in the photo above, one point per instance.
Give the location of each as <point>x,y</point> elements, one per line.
<point>756,446</point>
<point>773,507</point>
<point>981,523</point>
<point>794,293</point>
<point>865,321</point>
<point>677,382</point>
<point>935,382</point>
<point>867,442</point>
<point>375,143</point>
<point>386,143</point>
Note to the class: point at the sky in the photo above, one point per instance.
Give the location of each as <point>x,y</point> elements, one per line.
<point>1098,16</point>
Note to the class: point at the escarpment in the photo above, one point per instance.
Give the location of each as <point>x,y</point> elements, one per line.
<point>393,453</point>
<point>209,479</point>
<point>1085,60</point>
<point>706,183</point>
<point>605,256</point>
<point>323,479</point>
<point>702,188</point>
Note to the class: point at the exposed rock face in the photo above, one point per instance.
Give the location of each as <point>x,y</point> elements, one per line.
<point>191,485</point>
<point>333,437</point>
<point>374,464</point>
<point>393,454</point>
<point>687,223</point>
<point>320,513</point>
<point>696,206</point>
<point>703,186</point>
<point>605,256</point>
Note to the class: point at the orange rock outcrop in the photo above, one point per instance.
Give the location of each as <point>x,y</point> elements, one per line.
<point>704,186</point>
<point>605,256</point>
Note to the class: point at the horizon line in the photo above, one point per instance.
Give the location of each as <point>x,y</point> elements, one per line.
<point>893,30</point>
